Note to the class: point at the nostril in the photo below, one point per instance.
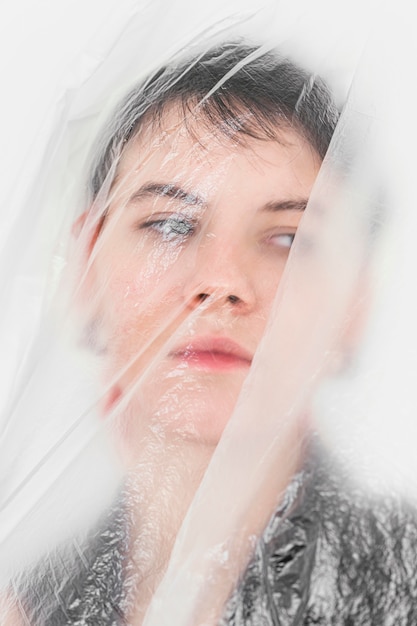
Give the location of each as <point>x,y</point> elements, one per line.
<point>202,297</point>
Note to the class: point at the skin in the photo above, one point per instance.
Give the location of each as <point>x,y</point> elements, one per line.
<point>193,247</point>
<point>179,280</point>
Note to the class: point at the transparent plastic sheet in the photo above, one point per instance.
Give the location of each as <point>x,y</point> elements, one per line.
<point>151,462</point>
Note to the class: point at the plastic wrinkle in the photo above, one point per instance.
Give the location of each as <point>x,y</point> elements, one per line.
<point>207,269</point>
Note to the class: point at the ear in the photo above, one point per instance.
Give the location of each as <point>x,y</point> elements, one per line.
<point>87,306</point>
<point>87,228</point>
<point>85,232</point>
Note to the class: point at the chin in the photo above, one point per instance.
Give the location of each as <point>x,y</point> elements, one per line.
<point>159,427</point>
<point>174,408</point>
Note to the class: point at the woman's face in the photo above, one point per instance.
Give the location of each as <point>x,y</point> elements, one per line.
<point>185,269</point>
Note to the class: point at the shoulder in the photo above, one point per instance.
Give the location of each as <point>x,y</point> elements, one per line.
<point>332,554</point>
<point>365,553</point>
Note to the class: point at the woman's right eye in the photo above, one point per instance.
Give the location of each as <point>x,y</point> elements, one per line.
<point>171,227</point>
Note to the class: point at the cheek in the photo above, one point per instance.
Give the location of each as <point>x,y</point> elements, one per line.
<point>131,283</point>
<point>138,302</point>
<point>128,303</point>
<point>268,286</point>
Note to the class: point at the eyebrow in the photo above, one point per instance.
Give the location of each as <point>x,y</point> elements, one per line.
<point>285,205</point>
<point>170,190</point>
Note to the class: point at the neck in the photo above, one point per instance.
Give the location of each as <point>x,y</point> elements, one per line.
<point>160,488</point>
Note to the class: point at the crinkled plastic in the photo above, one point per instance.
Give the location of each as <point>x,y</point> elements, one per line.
<point>208,323</point>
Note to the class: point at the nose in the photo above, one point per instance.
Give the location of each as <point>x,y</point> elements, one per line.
<point>220,273</point>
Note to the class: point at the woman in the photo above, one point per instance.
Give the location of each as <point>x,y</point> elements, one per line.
<point>196,194</point>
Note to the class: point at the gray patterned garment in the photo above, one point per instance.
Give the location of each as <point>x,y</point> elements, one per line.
<point>330,556</point>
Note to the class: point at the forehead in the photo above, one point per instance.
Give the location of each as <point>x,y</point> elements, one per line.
<point>191,150</point>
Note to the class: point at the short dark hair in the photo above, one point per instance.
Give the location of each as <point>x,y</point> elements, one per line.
<point>238,88</point>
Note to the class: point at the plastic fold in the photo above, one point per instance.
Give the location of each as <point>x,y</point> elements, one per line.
<point>208,321</point>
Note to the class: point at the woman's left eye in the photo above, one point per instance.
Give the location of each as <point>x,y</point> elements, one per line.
<point>172,227</point>
<point>282,240</point>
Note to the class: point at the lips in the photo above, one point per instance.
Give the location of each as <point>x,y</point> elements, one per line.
<point>212,354</point>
